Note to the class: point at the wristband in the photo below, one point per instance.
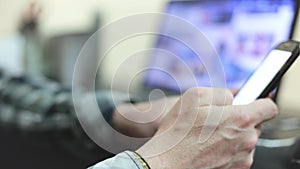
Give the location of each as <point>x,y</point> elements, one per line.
<point>142,161</point>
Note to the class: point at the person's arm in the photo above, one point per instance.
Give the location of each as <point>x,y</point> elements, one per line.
<point>202,131</point>
<point>205,131</point>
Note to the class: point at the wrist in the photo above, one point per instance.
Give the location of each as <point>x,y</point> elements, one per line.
<point>153,162</point>
<point>141,160</point>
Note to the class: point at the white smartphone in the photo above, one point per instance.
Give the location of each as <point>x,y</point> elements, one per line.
<point>266,77</point>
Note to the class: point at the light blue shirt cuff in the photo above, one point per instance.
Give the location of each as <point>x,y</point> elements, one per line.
<point>125,160</point>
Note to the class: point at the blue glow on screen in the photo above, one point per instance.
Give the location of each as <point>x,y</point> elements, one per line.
<point>242,31</point>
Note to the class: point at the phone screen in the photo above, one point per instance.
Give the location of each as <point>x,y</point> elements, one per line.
<point>260,79</point>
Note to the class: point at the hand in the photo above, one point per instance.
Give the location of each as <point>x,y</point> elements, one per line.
<point>231,144</point>
<point>127,117</point>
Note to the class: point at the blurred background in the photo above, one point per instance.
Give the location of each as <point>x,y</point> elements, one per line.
<point>42,39</point>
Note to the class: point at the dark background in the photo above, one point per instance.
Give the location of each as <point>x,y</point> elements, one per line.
<point>19,150</point>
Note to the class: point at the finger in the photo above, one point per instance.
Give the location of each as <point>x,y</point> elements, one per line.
<point>234,91</point>
<point>272,95</point>
<point>244,160</point>
<point>253,114</point>
<point>262,111</point>
<point>248,140</point>
<point>199,97</point>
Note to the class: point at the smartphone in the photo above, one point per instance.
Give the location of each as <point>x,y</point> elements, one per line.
<point>268,74</point>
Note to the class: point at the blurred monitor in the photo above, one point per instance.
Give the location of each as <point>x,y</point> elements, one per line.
<point>241,31</point>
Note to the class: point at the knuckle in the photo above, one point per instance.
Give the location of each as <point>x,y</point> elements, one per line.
<point>248,163</point>
<point>244,119</point>
<point>251,143</point>
<point>245,163</point>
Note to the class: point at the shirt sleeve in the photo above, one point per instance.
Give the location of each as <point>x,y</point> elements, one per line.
<point>125,160</point>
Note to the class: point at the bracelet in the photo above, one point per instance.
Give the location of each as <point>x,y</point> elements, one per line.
<point>141,160</point>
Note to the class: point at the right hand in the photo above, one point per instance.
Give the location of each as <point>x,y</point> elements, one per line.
<point>231,144</point>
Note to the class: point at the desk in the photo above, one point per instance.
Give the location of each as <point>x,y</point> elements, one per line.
<point>271,158</point>
<point>277,158</point>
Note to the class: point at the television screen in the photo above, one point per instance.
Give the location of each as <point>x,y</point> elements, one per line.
<point>241,31</point>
